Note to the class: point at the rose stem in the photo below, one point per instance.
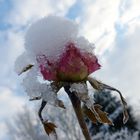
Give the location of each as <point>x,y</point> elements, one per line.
<point>78,111</point>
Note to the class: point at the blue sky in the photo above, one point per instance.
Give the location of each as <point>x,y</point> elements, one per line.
<point>113,26</point>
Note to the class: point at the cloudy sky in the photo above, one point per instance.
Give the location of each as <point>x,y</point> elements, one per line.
<point>112,25</point>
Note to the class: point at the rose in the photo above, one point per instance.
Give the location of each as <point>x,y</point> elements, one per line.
<point>73,65</point>
<point>55,50</point>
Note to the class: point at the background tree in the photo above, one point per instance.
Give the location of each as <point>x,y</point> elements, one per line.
<point>123,134</point>
<point>112,106</point>
<point>26,126</point>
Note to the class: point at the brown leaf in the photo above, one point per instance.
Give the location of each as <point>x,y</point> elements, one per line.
<point>89,114</point>
<point>49,127</point>
<point>103,115</point>
<point>94,83</point>
<point>100,86</point>
<point>26,68</point>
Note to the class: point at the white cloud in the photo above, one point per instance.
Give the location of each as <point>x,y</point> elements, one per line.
<point>117,47</point>
<point>130,9</point>
<point>10,48</point>
<point>98,22</point>
<point>9,105</point>
<point>28,11</point>
<point>122,67</point>
<point>9,102</point>
<point>99,19</point>
<point>4,130</point>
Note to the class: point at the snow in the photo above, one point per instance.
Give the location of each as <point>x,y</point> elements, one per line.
<point>79,88</point>
<point>35,88</point>
<point>22,61</point>
<point>124,134</point>
<point>31,84</point>
<point>81,92</point>
<point>49,94</point>
<point>84,45</point>
<point>49,35</point>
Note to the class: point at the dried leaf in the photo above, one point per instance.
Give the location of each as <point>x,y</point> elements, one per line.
<point>61,104</point>
<point>102,115</point>
<point>49,127</point>
<point>100,86</point>
<point>28,67</point>
<point>95,84</point>
<point>82,93</point>
<point>89,114</point>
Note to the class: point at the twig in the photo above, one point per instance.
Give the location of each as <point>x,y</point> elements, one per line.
<point>40,110</point>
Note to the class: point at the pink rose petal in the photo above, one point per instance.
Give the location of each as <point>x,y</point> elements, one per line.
<point>47,69</point>
<point>72,66</point>
<point>90,61</point>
